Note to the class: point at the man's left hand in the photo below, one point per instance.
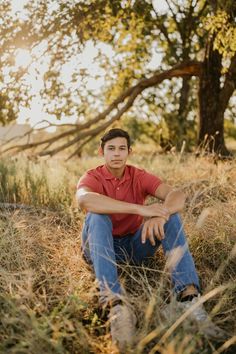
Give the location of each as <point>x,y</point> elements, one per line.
<point>152,228</point>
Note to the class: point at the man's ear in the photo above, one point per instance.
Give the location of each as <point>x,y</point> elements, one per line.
<point>130,151</point>
<point>100,151</point>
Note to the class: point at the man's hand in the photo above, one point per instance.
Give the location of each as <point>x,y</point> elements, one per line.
<point>155,209</point>
<point>152,228</point>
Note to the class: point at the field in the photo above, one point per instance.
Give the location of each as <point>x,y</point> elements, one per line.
<point>48,295</point>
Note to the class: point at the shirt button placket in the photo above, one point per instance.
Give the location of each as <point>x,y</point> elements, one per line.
<point>117,191</point>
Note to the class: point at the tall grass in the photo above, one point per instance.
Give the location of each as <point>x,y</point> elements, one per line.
<point>41,183</point>
<point>48,295</point>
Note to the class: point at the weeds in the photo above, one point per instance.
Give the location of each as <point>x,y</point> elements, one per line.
<point>48,297</point>
<point>38,184</point>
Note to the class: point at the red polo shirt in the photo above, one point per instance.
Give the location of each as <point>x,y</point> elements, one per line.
<point>133,187</point>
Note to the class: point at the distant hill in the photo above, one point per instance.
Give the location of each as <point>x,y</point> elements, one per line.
<point>17,131</point>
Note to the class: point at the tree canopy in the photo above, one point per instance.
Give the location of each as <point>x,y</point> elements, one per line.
<point>146,64</point>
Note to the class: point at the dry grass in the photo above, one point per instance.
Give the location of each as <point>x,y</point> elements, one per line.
<point>48,296</point>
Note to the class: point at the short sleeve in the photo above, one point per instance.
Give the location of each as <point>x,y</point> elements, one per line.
<point>90,181</point>
<point>150,183</point>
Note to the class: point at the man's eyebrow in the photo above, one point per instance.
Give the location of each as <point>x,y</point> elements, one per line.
<point>110,145</point>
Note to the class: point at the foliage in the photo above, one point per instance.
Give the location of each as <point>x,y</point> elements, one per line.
<point>121,40</point>
<point>225,33</point>
<point>230,129</point>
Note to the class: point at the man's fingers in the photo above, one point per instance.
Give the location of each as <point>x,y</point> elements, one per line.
<point>167,211</point>
<point>163,212</point>
<point>151,235</point>
<point>144,233</point>
<point>148,232</point>
<point>161,230</point>
<point>156,230</point>
<point>157,210</point>
<point>166,214</point>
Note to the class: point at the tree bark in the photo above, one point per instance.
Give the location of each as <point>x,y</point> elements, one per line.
<point>183,112</point>
<point>211,112</point>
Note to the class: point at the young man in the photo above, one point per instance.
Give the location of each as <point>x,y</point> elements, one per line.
<point>114,231</point>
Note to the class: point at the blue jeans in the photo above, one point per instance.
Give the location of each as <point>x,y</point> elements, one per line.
<point>104,251</point>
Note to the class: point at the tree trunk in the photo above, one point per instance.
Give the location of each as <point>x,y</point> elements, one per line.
<point>183,113</point>
<point>211,113</point>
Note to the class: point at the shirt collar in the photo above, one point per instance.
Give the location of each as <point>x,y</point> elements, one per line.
<point>108,175</point>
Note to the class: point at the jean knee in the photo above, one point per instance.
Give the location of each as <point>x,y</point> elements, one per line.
<point>175,218</point>
<point>174,232</point>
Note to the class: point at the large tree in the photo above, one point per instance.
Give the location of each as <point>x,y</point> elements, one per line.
<point>133,30</point>
<point>215,89</point>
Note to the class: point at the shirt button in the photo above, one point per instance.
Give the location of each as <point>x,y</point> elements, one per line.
<point>118,188</point>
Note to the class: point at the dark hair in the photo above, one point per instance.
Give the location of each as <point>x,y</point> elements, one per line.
<point>115,133</point>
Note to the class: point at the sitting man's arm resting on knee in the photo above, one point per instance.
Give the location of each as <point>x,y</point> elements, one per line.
<point>101,204</point>
<point>174,201</point>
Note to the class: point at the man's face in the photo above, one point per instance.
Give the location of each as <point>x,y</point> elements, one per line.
<point>116,152</point>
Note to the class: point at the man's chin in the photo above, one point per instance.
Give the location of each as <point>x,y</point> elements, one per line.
<point>116,165</point>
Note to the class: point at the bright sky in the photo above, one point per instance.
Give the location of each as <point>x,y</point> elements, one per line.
<point>36,113</point>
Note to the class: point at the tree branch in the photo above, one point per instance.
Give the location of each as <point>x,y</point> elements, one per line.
<point>174,15</point>
<point>126,100</point>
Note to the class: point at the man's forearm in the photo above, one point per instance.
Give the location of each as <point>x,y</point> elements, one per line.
<point>101,204</point>
<point>175,201</point>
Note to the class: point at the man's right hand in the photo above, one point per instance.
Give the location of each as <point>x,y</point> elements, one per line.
<point>155,209</point>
